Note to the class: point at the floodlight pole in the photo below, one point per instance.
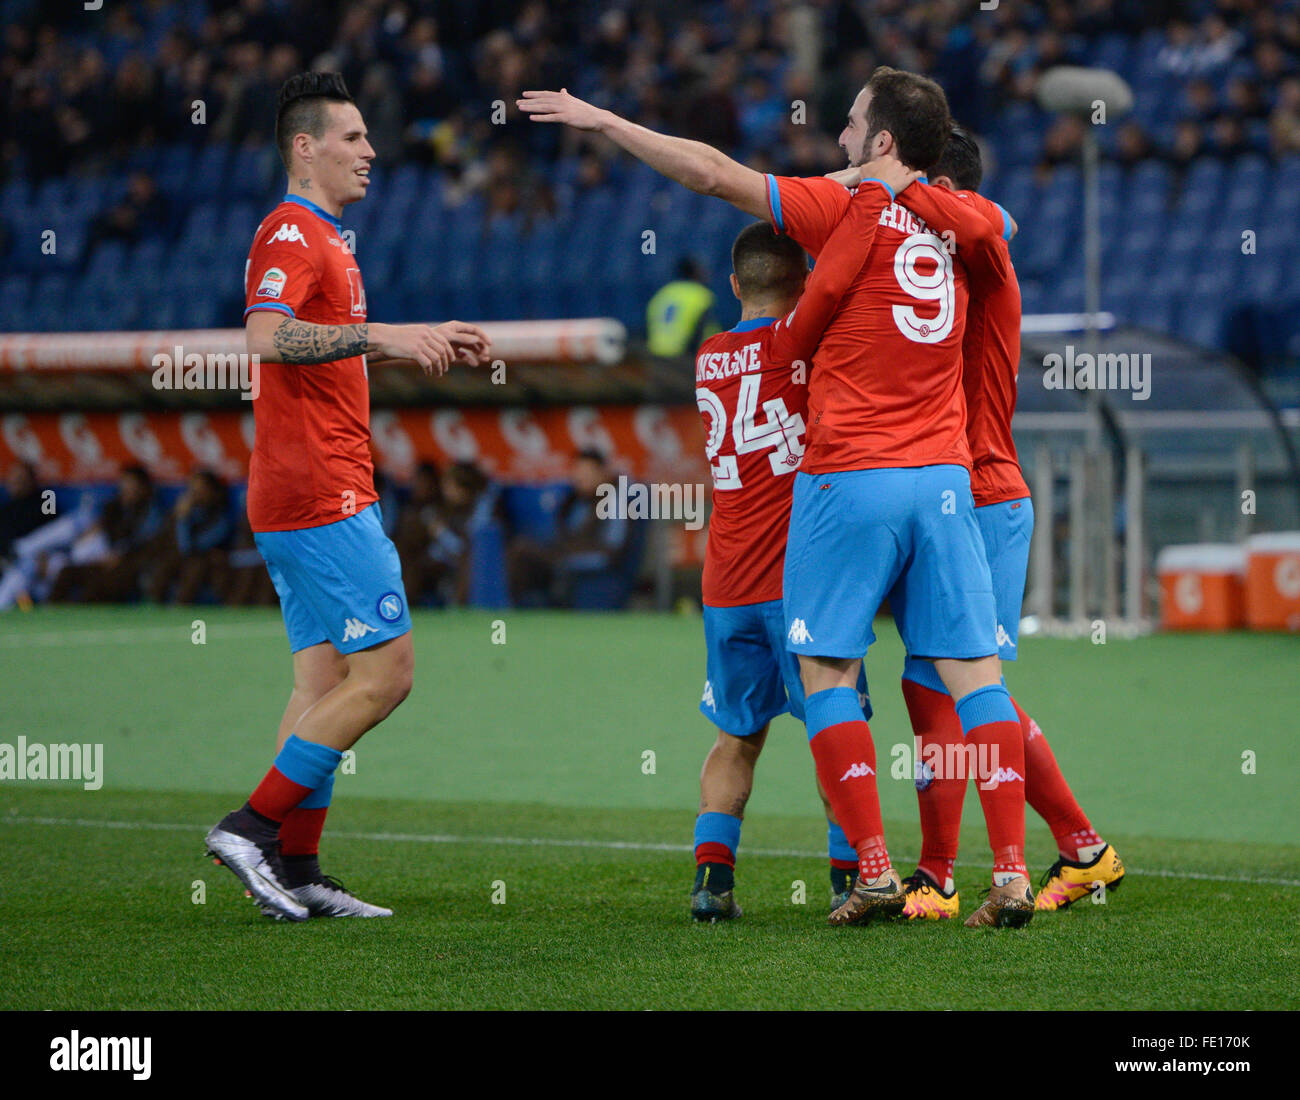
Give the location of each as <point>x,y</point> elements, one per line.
<point>1081,91</point>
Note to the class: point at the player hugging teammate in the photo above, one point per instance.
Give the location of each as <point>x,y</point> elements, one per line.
<point>882,507</point>
<point>311,498</point>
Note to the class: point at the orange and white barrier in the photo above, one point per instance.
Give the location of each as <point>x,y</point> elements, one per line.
<point>652,442</point>
<point>1202,586</point>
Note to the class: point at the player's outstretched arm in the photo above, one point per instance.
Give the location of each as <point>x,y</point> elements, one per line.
<point>693,164</point>
<point>275,338</point>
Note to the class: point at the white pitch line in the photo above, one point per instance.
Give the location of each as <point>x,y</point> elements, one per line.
<point>222,632</point>
<point>562,842</point>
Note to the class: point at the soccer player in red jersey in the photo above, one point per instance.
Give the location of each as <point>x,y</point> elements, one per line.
<point>990,364</point>
<point>882,503</point>
<point>311,497</point>
<point>751,389</point>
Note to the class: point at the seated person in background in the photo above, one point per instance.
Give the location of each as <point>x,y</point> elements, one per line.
<point>192,552</point>
<point>142,211</point>
<point>436,527</point>
<point>20,514</point>
<point>540,574</point>
<point>108,558</point>
<point>412,535</point>
<point>246,582</point>
<point>37,557</point>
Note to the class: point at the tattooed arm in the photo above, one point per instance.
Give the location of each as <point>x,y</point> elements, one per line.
<point>279,339</point>
<point>303,342</point>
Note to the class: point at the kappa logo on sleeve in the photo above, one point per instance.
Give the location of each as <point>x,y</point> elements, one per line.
<point>288,232</point>
<point>272,284</point>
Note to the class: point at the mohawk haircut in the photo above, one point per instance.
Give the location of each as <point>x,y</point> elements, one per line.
<point>768,264</point>
<point>301,108</point>
<point>961,161</point>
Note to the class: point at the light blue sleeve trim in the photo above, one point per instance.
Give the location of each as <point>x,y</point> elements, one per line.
<point>774,202</point>
<point>268,305</point>
<point>1006,221</point>
<point>872,179</point>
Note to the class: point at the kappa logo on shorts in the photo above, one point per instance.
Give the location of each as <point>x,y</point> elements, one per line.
<point>708,696</point>
<point>389,607</point>
<point>1003,637</point>
<point>857,771</point>
<point>799,633</point>
<point>355,628</point>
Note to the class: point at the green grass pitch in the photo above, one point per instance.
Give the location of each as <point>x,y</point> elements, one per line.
<point>525,764</point>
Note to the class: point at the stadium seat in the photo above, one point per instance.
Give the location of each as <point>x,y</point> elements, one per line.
<point>1200,321</point>
<point>208,177</point>
<point>253,170</point>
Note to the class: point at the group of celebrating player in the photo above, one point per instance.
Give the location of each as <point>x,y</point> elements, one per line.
<point>885,384</point>
<point>859,432</point>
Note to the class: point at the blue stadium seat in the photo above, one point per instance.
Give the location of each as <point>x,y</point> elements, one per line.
<point>1197,201</point>
<point>15,293</point>
<point>530,509</point>
<point>51,302</point>
<point>175,169</point>
<point>253,170</point>
<point>208,175</point>
<point>1200,320</point>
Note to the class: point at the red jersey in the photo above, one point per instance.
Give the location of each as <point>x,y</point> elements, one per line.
<point>990,360</point>
<point>311,456</point>
<point>886,385</point>
<point>751,386</point>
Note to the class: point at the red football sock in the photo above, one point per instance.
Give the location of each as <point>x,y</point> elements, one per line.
<point>846,765</point>
<point>935,723</point>
<point>999,776</point>
<point>276,795</point>
<point>713,852</point>
<point>1049,794</point>
<point>300,831</point>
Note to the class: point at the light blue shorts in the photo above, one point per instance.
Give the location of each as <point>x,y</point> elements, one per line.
<point>340,583</point>
<point>1007,528</point>
<point>751,677</point>
<point>908,533</point>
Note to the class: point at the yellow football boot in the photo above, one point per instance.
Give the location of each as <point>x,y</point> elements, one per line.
<point>1067,881</point>
<point>925,901</point>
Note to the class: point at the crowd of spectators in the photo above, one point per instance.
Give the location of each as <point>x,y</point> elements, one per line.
<point>195,546</point>
<point>86,89</point>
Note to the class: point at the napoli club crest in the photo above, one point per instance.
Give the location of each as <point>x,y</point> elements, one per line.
<point>390,607</point>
